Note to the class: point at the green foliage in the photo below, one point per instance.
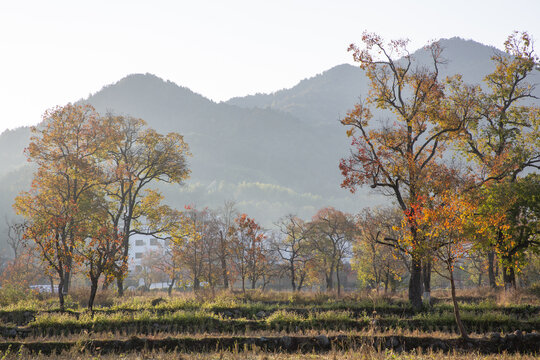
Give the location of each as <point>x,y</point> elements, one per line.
<point>12,294</point>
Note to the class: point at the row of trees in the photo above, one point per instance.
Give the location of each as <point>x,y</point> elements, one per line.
<point>223,247</point>
<point>453,158</point>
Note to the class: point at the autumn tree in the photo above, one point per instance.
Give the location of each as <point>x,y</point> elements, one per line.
<point>511,210</point>
<point>500,134</point>
<point>331,237</point>
<point>247,249</point>
<point>139,157</point>
<point>451,223</point>
<point>377,260</point>
<point>401,156</point>
<point>188,245</point>
<point>24,270</point>
<point>67,150</point>
<point>99,254</point>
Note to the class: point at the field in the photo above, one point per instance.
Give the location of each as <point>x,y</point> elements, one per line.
<point>272,325</point>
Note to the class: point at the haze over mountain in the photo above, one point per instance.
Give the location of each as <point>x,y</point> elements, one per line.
<point>326,97</point>
<point>273,153</point>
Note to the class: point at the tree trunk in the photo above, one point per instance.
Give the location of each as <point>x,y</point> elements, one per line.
<point>93,291</point>
<point>338,281</point>
<point>509,277</point>
<point>491,271</point>
<point>119,275</point>
<point>52,284</point>
<point>462,330</point>
<point>415,284</point>
<point>61,293</point>
<point>386,280</point>
<point>293,282</point>
<point>67,280</point>
<point>330,280</point>
<point>120,286</point>
<point>169,290</point>
<point>223,259</point>
<point>225,275</point>
<point>244,285</point>
<point>301,283</point>
<point>426,280</point>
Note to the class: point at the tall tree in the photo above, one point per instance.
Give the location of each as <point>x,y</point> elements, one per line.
<point>139,157</point>
<point>400,157</point>
<point>500,135</point>
<point>67,150</point>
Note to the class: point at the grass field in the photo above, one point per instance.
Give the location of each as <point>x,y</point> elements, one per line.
<point>272,325</point>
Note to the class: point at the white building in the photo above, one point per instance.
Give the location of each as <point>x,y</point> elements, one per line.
<point>138,246</point>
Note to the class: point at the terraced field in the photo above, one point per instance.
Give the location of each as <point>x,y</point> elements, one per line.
<point>250,326</point>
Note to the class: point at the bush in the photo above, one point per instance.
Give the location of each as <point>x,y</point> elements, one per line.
<point>12,294</point>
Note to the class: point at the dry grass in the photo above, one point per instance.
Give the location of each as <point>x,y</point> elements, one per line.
<point>365,353</point>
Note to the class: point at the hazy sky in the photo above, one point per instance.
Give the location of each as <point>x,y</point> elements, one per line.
<point>54,52</point>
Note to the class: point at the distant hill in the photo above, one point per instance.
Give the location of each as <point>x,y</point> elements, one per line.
<point>273,153</point>
<point>324,98</point>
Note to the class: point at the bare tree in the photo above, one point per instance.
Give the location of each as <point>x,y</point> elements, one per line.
<point>293,247</point>
<point>15,238</point>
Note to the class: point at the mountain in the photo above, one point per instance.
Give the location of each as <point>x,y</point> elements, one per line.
<point>326,97</point>
<point>12,144</point>
<point>273,153</point>
<point>228,142</point>
<point>322,99</point>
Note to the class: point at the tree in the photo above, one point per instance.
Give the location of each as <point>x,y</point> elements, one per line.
<point>226,216</point>
<point>331,237</point>
<point>99,254</point>
<point>189,247</point>
<point>375,261</point>
<point>500,134</point>
<point>138,157</point>
<point>450,222</point>
<point>400,158</point>
<point>247,250</point>
<point>15,236</point>
<point>512,211</point>
<point>293,248</point>
<point>169,263</point>
<point>67,150</point>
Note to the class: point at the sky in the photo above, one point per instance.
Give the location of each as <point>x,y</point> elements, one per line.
<point>54,52</point>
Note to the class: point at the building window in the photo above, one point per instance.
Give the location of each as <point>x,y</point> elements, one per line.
<point>153,241</point>
<point>139,242</point>
<point>138,255</point>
